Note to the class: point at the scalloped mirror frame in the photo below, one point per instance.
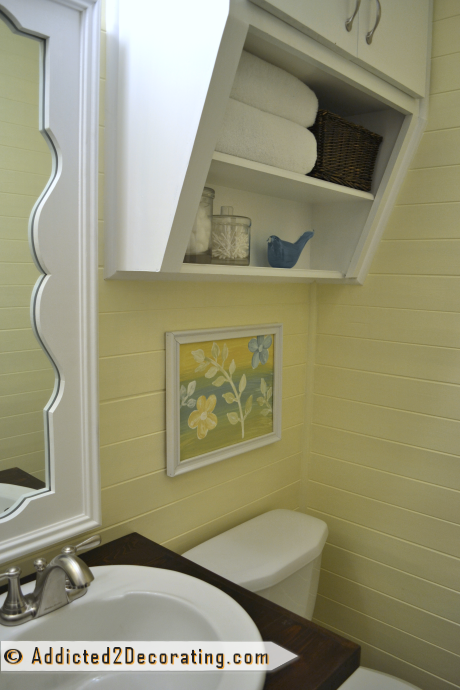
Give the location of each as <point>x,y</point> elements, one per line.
<point>64,240</point>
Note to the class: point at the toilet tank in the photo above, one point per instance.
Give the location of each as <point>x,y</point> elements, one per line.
<point>276,555</point>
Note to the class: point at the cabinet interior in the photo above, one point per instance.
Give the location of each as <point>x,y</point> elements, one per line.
<point>288,204</point>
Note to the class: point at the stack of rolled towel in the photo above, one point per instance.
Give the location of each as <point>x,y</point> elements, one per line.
<point>267,117</point>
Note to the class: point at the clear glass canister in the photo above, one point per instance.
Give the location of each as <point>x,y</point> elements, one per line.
<point>199,245</point>
<point>231,238</point>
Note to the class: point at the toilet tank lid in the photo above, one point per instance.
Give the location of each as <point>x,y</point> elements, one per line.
<point>263,551</point>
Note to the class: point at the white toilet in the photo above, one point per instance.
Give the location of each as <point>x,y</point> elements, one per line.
<point>278,555</point>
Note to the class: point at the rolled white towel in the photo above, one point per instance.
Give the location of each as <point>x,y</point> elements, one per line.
<point>269,88</point>
<point>250,133</point>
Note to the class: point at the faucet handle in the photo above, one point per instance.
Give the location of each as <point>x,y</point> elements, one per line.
<point>89,543</point>
<point>7,575</point>
<point>13,572</point>
<point>14,603</point>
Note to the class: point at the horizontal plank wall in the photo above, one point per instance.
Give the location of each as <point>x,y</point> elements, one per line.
<point>26,375</point>
<point>182,511</point>
<point>137,495</point>
<point>384,465</point>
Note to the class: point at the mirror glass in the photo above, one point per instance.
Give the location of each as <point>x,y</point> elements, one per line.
<point>27,376</point>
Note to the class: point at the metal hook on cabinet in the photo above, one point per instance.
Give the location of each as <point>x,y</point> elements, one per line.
<point>370,34</point>
<point>349,22</point>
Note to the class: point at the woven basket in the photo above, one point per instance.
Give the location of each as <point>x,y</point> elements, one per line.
<point>346,152</point>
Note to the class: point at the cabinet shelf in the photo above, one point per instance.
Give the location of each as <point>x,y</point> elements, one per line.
<point>256,273</point>
<point>239,173</point>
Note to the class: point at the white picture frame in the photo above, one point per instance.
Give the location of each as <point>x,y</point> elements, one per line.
<point>227,389</point>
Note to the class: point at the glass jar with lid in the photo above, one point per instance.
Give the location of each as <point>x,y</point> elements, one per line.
<point>231,238</point>
<point>199,246</point>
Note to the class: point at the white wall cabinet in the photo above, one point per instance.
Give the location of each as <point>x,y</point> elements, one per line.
<point>169,75</point>
<point>398,49</point>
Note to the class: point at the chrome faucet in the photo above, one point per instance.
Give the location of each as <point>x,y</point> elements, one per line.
<point>58,583</point>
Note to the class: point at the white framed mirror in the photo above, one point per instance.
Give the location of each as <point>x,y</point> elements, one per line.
<point>49,468</point>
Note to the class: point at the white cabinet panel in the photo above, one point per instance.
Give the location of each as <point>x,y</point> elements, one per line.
<point>164,118</point>
<point>321,20</point>
<point>398,51</point>
<point>399,46</point>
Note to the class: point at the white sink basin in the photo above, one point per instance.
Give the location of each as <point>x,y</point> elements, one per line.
<point>9,494</point>
<point>134,603</point>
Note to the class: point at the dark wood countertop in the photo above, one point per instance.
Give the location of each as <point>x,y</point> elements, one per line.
<point>325,660</point>
<point>14,475</point>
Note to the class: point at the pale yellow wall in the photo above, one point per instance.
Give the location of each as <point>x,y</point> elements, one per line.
<point>137,495</point>
<point>384,469</point>
<point>26,375</point>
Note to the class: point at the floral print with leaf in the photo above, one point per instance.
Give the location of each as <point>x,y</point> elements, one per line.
<point>260,346</point>
<point>203,419</point>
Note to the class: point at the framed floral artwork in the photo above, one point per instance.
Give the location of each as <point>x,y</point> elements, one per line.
<point>223,393</point>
